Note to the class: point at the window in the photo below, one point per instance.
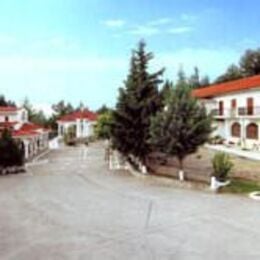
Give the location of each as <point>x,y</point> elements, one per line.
<point>236,130</point>
<point>61,130</point>
<point>252,131</point>
<point>221,108</point>
<point>250,106</point>
<point>6,119</point>
<point>233,103</point>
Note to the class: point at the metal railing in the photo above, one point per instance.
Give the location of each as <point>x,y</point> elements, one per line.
<point>240,111</point>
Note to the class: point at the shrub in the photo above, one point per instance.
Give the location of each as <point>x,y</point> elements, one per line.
<point>11,151</point>
<point>70,136</point>
<point>222,166</point>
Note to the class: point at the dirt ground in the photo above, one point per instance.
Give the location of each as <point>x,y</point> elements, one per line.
<point>198,167</point>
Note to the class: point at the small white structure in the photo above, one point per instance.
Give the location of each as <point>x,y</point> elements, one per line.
<point>82,121</point>
<point>235,106</point>
<point>34,138</point>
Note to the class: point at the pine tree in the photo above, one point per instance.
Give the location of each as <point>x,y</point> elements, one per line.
<point>165,92</point>
<point>195,78</point>
<point>137,102</point>
<point>182,127</point>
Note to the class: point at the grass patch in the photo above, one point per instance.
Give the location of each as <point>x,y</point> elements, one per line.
<point>241,186</point>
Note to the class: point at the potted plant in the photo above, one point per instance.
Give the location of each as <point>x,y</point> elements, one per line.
<point>222,166</point>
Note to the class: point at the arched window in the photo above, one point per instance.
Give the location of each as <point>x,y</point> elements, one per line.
<point>252,131</point>
<point>236,130</point>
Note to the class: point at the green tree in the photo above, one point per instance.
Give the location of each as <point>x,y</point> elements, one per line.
<point>11,151</point>
<point>194,79</point>
<point>137,102</point>
<point>250,62</point>
<point>39,118</point>
<point>28,106</point>
<point>35,116</point>
<point>166,91</point>
<point>182,127</point>
<point>61,108</point>
<point>103,109</point>
<point>233,72</point>
<point>204,82</point>
<point>103,126</point>
<point>4,102</point>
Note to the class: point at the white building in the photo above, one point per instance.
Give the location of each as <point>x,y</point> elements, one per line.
<point>236,109</point>
<point>82,122</point>
<point>34,138</point>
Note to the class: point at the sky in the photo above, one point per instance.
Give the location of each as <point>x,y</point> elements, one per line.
<point>79,50</point>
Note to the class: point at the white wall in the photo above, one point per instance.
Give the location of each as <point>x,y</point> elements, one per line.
<point>241,99</point>
<point>81,132</point>
<point>20,116</point>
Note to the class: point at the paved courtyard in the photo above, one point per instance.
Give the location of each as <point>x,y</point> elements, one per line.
<point>72,207</point>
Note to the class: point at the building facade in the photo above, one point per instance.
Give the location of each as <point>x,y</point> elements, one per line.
<point>235,106</point>
<point>81,122</point>
<point>34,138</point>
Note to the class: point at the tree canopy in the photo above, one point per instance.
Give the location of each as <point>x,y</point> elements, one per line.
<point>249,65</point>
<point>138,100</point>
<point>183,126</point>
<point>4,102</point>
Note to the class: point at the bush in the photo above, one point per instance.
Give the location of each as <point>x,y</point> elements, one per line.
<point>70,136</point>
<point>11,151</point>
<point>222,166</point>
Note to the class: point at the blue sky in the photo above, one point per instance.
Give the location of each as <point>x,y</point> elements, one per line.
<point>78,50</point>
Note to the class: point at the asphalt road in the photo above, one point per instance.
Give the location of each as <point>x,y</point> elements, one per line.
<point>72,207</point>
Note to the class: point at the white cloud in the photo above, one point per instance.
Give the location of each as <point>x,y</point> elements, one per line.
<point>35,64</point>
<point>115,23</point>
<point>144,31</point>
<point>188,17</point>
<point>161,21</point>
<point>180,30</point>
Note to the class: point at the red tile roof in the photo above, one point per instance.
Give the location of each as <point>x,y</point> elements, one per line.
<point>7,124</point>
<point>227,87</point>
<point>28,129</point>
<point>8,109</point>
<point>19,133</point>
<point>85,114</point>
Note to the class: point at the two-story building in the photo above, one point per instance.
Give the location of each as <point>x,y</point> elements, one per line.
<point>236,109</point>
<point>82,122</point>
<point>34,138</point>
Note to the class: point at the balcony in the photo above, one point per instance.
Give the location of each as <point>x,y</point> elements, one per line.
<point>224,113</point>
<point>240,111</point>
<point>249,111</point>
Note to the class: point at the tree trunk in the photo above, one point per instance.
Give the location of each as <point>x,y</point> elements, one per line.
<point>143,166</point>
<point>181,171</point>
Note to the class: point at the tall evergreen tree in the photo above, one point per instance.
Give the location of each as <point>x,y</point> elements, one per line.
<point>195,78</point>
<point>165,92</point>
<point>61,108</point>
<point>4,102</point>
<point>182,127</point>
<point>137,102</point>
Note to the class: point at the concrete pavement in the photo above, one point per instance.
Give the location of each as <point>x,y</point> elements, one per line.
<point>74,208</point>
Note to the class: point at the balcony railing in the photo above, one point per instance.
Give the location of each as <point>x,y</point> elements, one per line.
<point>240,111</point>
<point>249,111</point>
